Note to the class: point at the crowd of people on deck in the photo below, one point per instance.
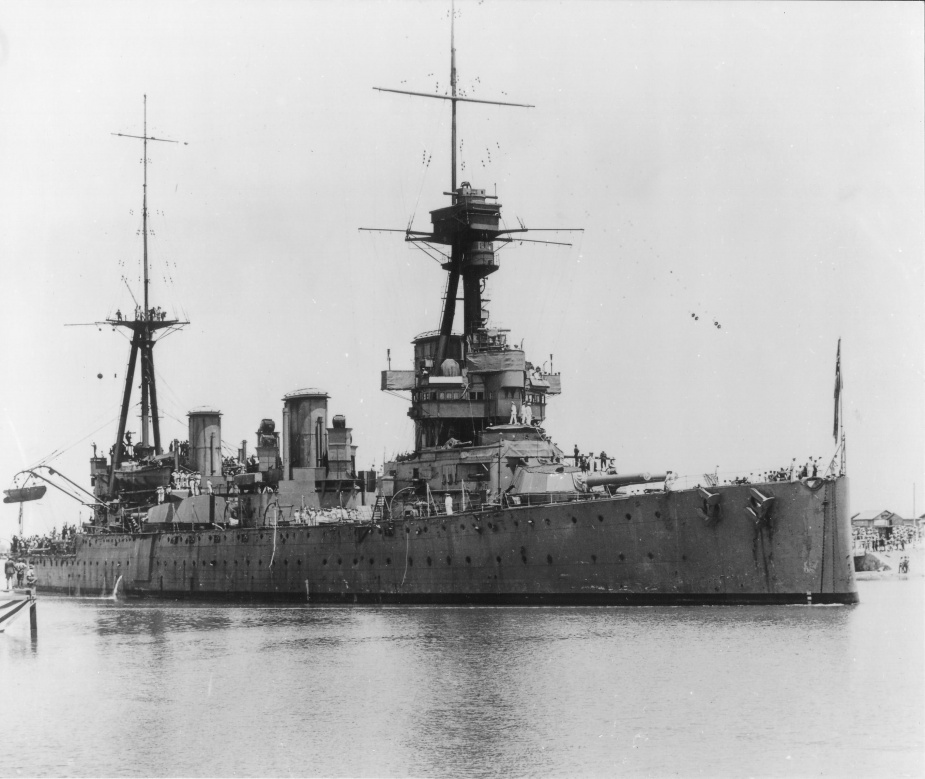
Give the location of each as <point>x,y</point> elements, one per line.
<point>54,541</point>
<point>792,472</point>
<point>590,461</point>
<point>811,469</point>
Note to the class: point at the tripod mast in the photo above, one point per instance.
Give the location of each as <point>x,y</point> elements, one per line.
<point>146,321</point>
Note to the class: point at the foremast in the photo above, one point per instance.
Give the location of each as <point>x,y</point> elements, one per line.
<point>498,385</point>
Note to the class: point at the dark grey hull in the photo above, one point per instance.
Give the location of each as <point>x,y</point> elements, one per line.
<point>650,549</point>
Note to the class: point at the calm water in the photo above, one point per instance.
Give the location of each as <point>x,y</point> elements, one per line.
<point>135,689</point>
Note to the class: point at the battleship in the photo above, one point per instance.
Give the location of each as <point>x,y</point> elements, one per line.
<point>483,509</point>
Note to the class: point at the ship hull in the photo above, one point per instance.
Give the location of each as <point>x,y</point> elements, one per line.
<point>656,548</point>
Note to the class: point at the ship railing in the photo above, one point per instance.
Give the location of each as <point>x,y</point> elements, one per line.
<point>422,509</point>
<point>55,549</point>
<point>718,478</point>
<point>546,498</point>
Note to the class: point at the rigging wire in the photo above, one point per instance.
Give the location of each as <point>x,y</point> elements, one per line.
<point>438,129</point>
<point>418,245</point>
<point>175,396</point>
<point>54,455</point>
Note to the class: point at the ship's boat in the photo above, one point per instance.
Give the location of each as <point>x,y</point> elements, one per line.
<point>25,494</point>
<point>484,508</point>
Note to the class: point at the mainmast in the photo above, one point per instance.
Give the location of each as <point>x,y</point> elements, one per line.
<point>145,363</point>
<point>453,95</point>
<point>145,323</point>
<point>144,196</point>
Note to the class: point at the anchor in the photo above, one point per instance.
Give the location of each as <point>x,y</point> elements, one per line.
<point>710,511</point>
<point>760,506</point>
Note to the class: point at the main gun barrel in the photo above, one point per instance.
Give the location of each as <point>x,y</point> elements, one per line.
<point>621,479</point>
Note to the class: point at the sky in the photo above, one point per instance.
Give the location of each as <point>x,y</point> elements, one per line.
<point>747,177</point>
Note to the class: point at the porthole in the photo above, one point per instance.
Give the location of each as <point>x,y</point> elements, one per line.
<point>462,527</point>
<point>371,561</point>
<point>338,561</point>
<point>650,555</point>
<point>428,561</point>
<point>549,559</point>
<point>658,514</point>
<point>621,556</point>
<point>574,521</point>
<point>594,558</point>
<point>324,561</point>
<point>468,560</point>
<point>629,517</point>
<point>498,559</point>
<point>600,517</point>
<point>410,562</point>
<point>449,560</point>
<point>388,560</point>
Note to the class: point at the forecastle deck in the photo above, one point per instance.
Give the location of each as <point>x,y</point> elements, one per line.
<point>649,548</point>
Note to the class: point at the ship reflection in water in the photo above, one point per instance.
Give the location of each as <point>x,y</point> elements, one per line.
<point>163,689</point>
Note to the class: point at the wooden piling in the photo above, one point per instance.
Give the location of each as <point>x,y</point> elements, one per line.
<point>33,617</point>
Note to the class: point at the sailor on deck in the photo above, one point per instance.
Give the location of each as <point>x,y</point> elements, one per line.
<point>513,420</point>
